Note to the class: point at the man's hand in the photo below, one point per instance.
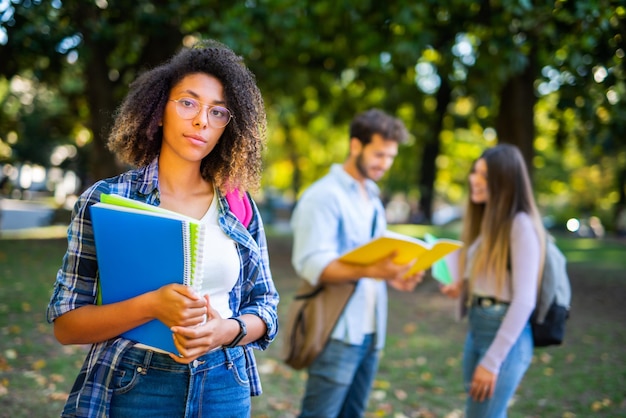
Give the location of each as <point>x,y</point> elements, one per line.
<point>408,283</point>
<point>387,269</point>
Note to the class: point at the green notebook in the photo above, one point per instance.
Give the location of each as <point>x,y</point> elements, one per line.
<point>439,269</point>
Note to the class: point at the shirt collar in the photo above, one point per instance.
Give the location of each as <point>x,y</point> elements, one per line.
<point>349,182</point>
<point>149,178</point>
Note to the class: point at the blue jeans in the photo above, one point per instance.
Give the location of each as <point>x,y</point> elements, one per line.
<point>340,380</point>
<point>150,384</point>
<point>483,326</point>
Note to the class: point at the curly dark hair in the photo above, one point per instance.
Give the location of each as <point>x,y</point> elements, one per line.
<point>235,162</point>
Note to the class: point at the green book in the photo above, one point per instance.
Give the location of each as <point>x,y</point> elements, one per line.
<point>439,270</point>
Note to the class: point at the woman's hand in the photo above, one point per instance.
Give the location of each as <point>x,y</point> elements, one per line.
<point>179,305</point>
<point>195,341</point>
<point>452,290</point>
<point>483,384</point>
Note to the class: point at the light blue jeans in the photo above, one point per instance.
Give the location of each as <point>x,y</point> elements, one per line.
<point>149,384</point>
<point>340,380</point>
<point>483,326</point>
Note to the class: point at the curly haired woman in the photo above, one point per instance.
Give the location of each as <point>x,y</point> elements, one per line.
<point>194,127</point>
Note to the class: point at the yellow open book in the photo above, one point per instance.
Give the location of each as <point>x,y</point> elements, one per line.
<point>408,249</point>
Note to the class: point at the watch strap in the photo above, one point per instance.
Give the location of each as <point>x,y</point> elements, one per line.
<point>242,333</point>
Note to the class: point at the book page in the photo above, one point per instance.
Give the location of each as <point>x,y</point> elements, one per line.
<point>135,205</point>
<point>440,249</point>
<point>408,249</point>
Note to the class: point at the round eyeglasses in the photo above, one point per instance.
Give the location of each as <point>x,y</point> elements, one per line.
<point>188,108</point>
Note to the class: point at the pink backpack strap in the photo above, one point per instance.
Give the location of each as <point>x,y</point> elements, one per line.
<point>240,206</point>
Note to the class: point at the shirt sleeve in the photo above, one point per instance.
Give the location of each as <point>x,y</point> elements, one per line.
<point>525,256</point>
<point>316,242</point>
<point>76,280</point>
<point>258,294</point>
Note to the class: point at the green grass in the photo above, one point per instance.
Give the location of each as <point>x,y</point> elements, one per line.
<point>420,371</point>
<point>35,371</point>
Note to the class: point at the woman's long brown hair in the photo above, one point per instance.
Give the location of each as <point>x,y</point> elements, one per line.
<point>510,192</point>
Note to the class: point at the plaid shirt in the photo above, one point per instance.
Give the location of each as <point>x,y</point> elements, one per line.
<point>76,283</point>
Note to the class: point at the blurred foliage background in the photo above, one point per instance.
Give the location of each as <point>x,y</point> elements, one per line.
<point>548,76</point>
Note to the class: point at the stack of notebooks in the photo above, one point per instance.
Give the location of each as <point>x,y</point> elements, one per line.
<point>141,248</point>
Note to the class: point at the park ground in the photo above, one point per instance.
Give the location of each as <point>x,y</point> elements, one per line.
<point>420,369</point>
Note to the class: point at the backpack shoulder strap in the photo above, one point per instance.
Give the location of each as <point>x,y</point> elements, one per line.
<point>540,302</point>
<point>240,206</point>
<point>553,282</point>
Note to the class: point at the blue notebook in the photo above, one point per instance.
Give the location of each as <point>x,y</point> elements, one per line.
<point>141,248</point>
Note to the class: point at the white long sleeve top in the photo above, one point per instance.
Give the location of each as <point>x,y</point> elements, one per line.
<point>520,287</point>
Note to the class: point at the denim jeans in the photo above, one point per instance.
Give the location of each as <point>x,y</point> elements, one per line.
<point>150,384</point>
<point>340,380</point>
<point>483,326</point>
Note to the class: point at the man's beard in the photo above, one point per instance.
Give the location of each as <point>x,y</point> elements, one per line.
<point>360,166</point>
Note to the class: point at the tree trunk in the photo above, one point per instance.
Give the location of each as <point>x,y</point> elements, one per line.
<point>515,121</point>
<point>296,181</point>
<point>428,168</point>
<point>619,226</point>
<point>100,90</point>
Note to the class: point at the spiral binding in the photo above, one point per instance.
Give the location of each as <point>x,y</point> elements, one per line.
<point>187,256</point>
<point>198,257</point>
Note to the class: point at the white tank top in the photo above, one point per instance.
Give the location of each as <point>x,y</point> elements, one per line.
<point>220,263</point>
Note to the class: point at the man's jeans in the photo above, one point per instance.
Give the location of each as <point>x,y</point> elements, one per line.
<point>149,384</point>
<point>340,380</point>
<point>483,326</point>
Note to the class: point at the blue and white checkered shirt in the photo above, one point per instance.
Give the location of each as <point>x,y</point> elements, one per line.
<point>76,286</point>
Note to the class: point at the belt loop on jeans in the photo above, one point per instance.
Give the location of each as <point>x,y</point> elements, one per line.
<point>147,359</point>
<point>229,360</point>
